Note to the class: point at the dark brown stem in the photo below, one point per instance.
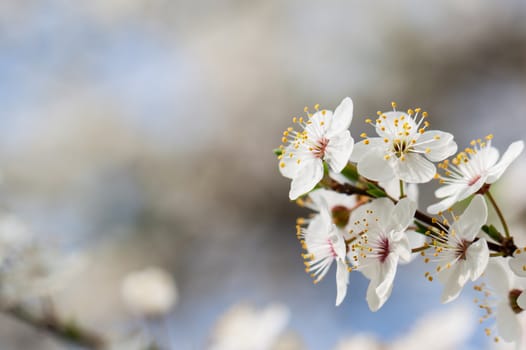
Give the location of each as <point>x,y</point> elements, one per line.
<point>68,332</point>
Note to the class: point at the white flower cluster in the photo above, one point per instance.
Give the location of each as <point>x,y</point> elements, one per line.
<point>365,208</point>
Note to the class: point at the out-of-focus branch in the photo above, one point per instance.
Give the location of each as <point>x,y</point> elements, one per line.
<point>50,323</point>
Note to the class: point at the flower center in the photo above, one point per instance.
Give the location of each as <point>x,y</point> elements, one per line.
<point>330,240</point>
<point>400,147</point>
<point>340,215</point>
<point>462,249</point>
<point>512,297</point>
<point>319,148</point>
<point>474,180</point>
<point>383,249</point>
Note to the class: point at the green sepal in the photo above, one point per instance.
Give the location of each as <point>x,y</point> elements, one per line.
<point>493,233</point>
<point>277,151</point>
<point>351,172</point>
<point>375,191</point>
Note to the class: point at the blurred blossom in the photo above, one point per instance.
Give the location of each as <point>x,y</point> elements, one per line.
<point>150,292</point>
<point>29,268</point>
<point>244,327</point>
<point>439,330</point>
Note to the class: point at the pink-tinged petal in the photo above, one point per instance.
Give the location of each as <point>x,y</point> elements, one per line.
<point>403,214</point>
<point>342,280</point>
<point>498,277</point>
<point>415,169</point>
<point>508,325</point>
<point>518,264</point>
<point>438,144</point>
<point>374,167</point>
<point>454,280</point>
<point>342,118</point>
<point>513,151</point>
<point>362,149</point>
<point>470,222</point>
<point>477,258</point>
<point>308,176</point>
<point>339,151</point>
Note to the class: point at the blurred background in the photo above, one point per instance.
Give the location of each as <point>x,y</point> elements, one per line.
<point>140,132</point>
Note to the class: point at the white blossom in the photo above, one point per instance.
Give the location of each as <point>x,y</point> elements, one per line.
<point>459,256</point>
<point>324,244</point>
<point>150,292</point>
<point>244,327</point>
<point>324,137</point>
<point>404,149</point>
<point>381,242</point>
<point>504,298</point>
<point>472,169</point>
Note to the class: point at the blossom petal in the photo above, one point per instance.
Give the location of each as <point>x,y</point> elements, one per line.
<point>318,124</point>
<point>362,149</point>
<point>470,222</point>
<point>339,151</point>
<point>518,264</point>
<point>438,144</point>
<point>415,240</point>
<point>513,151</point>
<point>374,167</point>
<point>342,118</point>
<point>507,323</point>
<point>477,258</point>
<point>443,205</point>
<point>454,279</point>
<point>342,280</point>
<point>403,214</point>
<point>415,169</point>
<point>288,166</point>
<point>449,190</point>
<point>307,177</point>
<point>498,277</point>
<point>386,277</point>
<point>382,209</point>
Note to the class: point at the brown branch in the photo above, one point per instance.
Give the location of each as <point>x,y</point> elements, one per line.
<point>68,332</point>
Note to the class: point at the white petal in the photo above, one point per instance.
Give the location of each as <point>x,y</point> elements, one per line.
<point>449,190</point>
<point>342,118</point>
<point>403,249</point>
<point>498,276</point>
<point>513,151</point>
<point>521,300</point>
<point>477,258</point>
<point>454,280</point>
<point>372,298</point>
<point>361,149</point>
<point>288,166</point>
<point>318,124</point>
<point>438,149</point>
<point>374,167</point>
<point>443,205</point>
<point>403,214</point>
<point>307,177</point>
<point>415,240</point>
<point>470,222</point>
<point>342,279</point>
<point>339,151</point>
<point>386,277</point>
<point>518,264</point>
<point>382,209</point>
<point>507,323</point>
<point>415,169</point>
